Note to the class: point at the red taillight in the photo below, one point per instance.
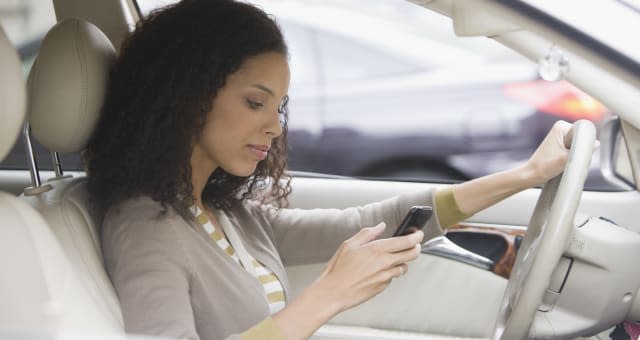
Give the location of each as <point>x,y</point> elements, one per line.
<point>557,98</point>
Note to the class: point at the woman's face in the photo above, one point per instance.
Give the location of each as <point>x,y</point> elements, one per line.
<point>244,118</point>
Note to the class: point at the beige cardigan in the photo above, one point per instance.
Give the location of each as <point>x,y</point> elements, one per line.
<point>173,280</point>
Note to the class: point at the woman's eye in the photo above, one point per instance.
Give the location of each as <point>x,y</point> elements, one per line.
<point>254,104</point>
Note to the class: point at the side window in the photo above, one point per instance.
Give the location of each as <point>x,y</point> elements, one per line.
<point>398,96</point>
<point>425,105</point>
<point>302,53</point>
<point>348,59</point>
<point>146,6</point>
<point>26,23</point>
<point>17,158</point>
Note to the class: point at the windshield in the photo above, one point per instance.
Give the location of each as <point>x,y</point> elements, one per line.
<point>587,17</point>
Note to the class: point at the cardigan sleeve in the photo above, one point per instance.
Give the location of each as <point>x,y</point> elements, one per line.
<point>304,236</point>
<point>265,330</point>
<point>151,274</point>
<point>447,208</point>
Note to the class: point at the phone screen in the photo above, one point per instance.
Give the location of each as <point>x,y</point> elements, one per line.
<point>415,219</point>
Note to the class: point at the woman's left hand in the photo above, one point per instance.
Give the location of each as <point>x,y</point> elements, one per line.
<point>547,162</point>
<point>551,156</point>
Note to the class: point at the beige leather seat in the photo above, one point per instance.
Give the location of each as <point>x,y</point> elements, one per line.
<point>39,292</point>
<point>66,89</point>
<point>20,226</point>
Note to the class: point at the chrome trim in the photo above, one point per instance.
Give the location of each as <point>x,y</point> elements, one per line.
<point>57,165</point>
<point>443,247</point>
<point>31,158</point>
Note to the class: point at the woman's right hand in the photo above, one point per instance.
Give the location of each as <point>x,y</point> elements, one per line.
<point>360,269</point>
<point>363,266</point>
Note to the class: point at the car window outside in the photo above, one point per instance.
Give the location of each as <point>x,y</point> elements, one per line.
<point>303,57</point>
<point>26,22</point>
<point>384,89</point>
<point>348,59</point>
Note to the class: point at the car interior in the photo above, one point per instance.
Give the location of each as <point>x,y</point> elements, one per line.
<point>556,262</point>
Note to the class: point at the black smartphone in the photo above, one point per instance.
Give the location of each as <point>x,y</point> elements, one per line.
<point>415,219</point>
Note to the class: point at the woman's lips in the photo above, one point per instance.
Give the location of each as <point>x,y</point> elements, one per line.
<point>260,151</point>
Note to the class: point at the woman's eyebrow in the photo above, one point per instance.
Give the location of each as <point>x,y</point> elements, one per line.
<point>263,88</point>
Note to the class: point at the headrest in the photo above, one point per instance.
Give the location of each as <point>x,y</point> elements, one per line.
<point>67,85</point>
<point>13,95</point>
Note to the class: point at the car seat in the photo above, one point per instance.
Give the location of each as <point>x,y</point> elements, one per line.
<point>39,292</point>
<point>66,88</point>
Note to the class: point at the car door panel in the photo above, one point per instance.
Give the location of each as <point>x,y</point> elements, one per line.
<point>438,298</point>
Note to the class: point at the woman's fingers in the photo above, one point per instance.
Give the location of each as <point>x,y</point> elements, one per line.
<point>366,235</point>
<point>391,273</point>
<point>399,243</point>
<point>560,130</point>
<point>405,255</point>
<point>403,268</point>
<point>550,157</point>
<point>565,133</point>
<point>394,251</point>
<point>363,267</point>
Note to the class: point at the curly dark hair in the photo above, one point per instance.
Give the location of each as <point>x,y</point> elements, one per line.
<point>161,89</point>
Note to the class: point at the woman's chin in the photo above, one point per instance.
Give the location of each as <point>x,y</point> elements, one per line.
<point>244,171</point>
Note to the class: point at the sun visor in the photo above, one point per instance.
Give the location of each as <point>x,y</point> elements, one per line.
<point>479,18</point>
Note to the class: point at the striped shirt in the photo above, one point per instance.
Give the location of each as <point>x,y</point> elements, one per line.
<point>272,286</point>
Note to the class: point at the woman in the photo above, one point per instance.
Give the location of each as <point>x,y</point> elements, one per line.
<point>188,164</point>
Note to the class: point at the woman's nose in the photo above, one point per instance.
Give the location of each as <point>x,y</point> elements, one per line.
<point>274,125</point>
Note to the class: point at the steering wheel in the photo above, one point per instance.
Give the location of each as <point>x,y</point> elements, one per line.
<point>546,237</point>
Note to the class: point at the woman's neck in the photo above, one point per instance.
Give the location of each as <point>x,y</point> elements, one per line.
<point>201,169</point>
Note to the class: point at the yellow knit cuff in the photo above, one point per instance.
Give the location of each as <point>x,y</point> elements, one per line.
<point>447,208</point>
<point>265,330</point>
